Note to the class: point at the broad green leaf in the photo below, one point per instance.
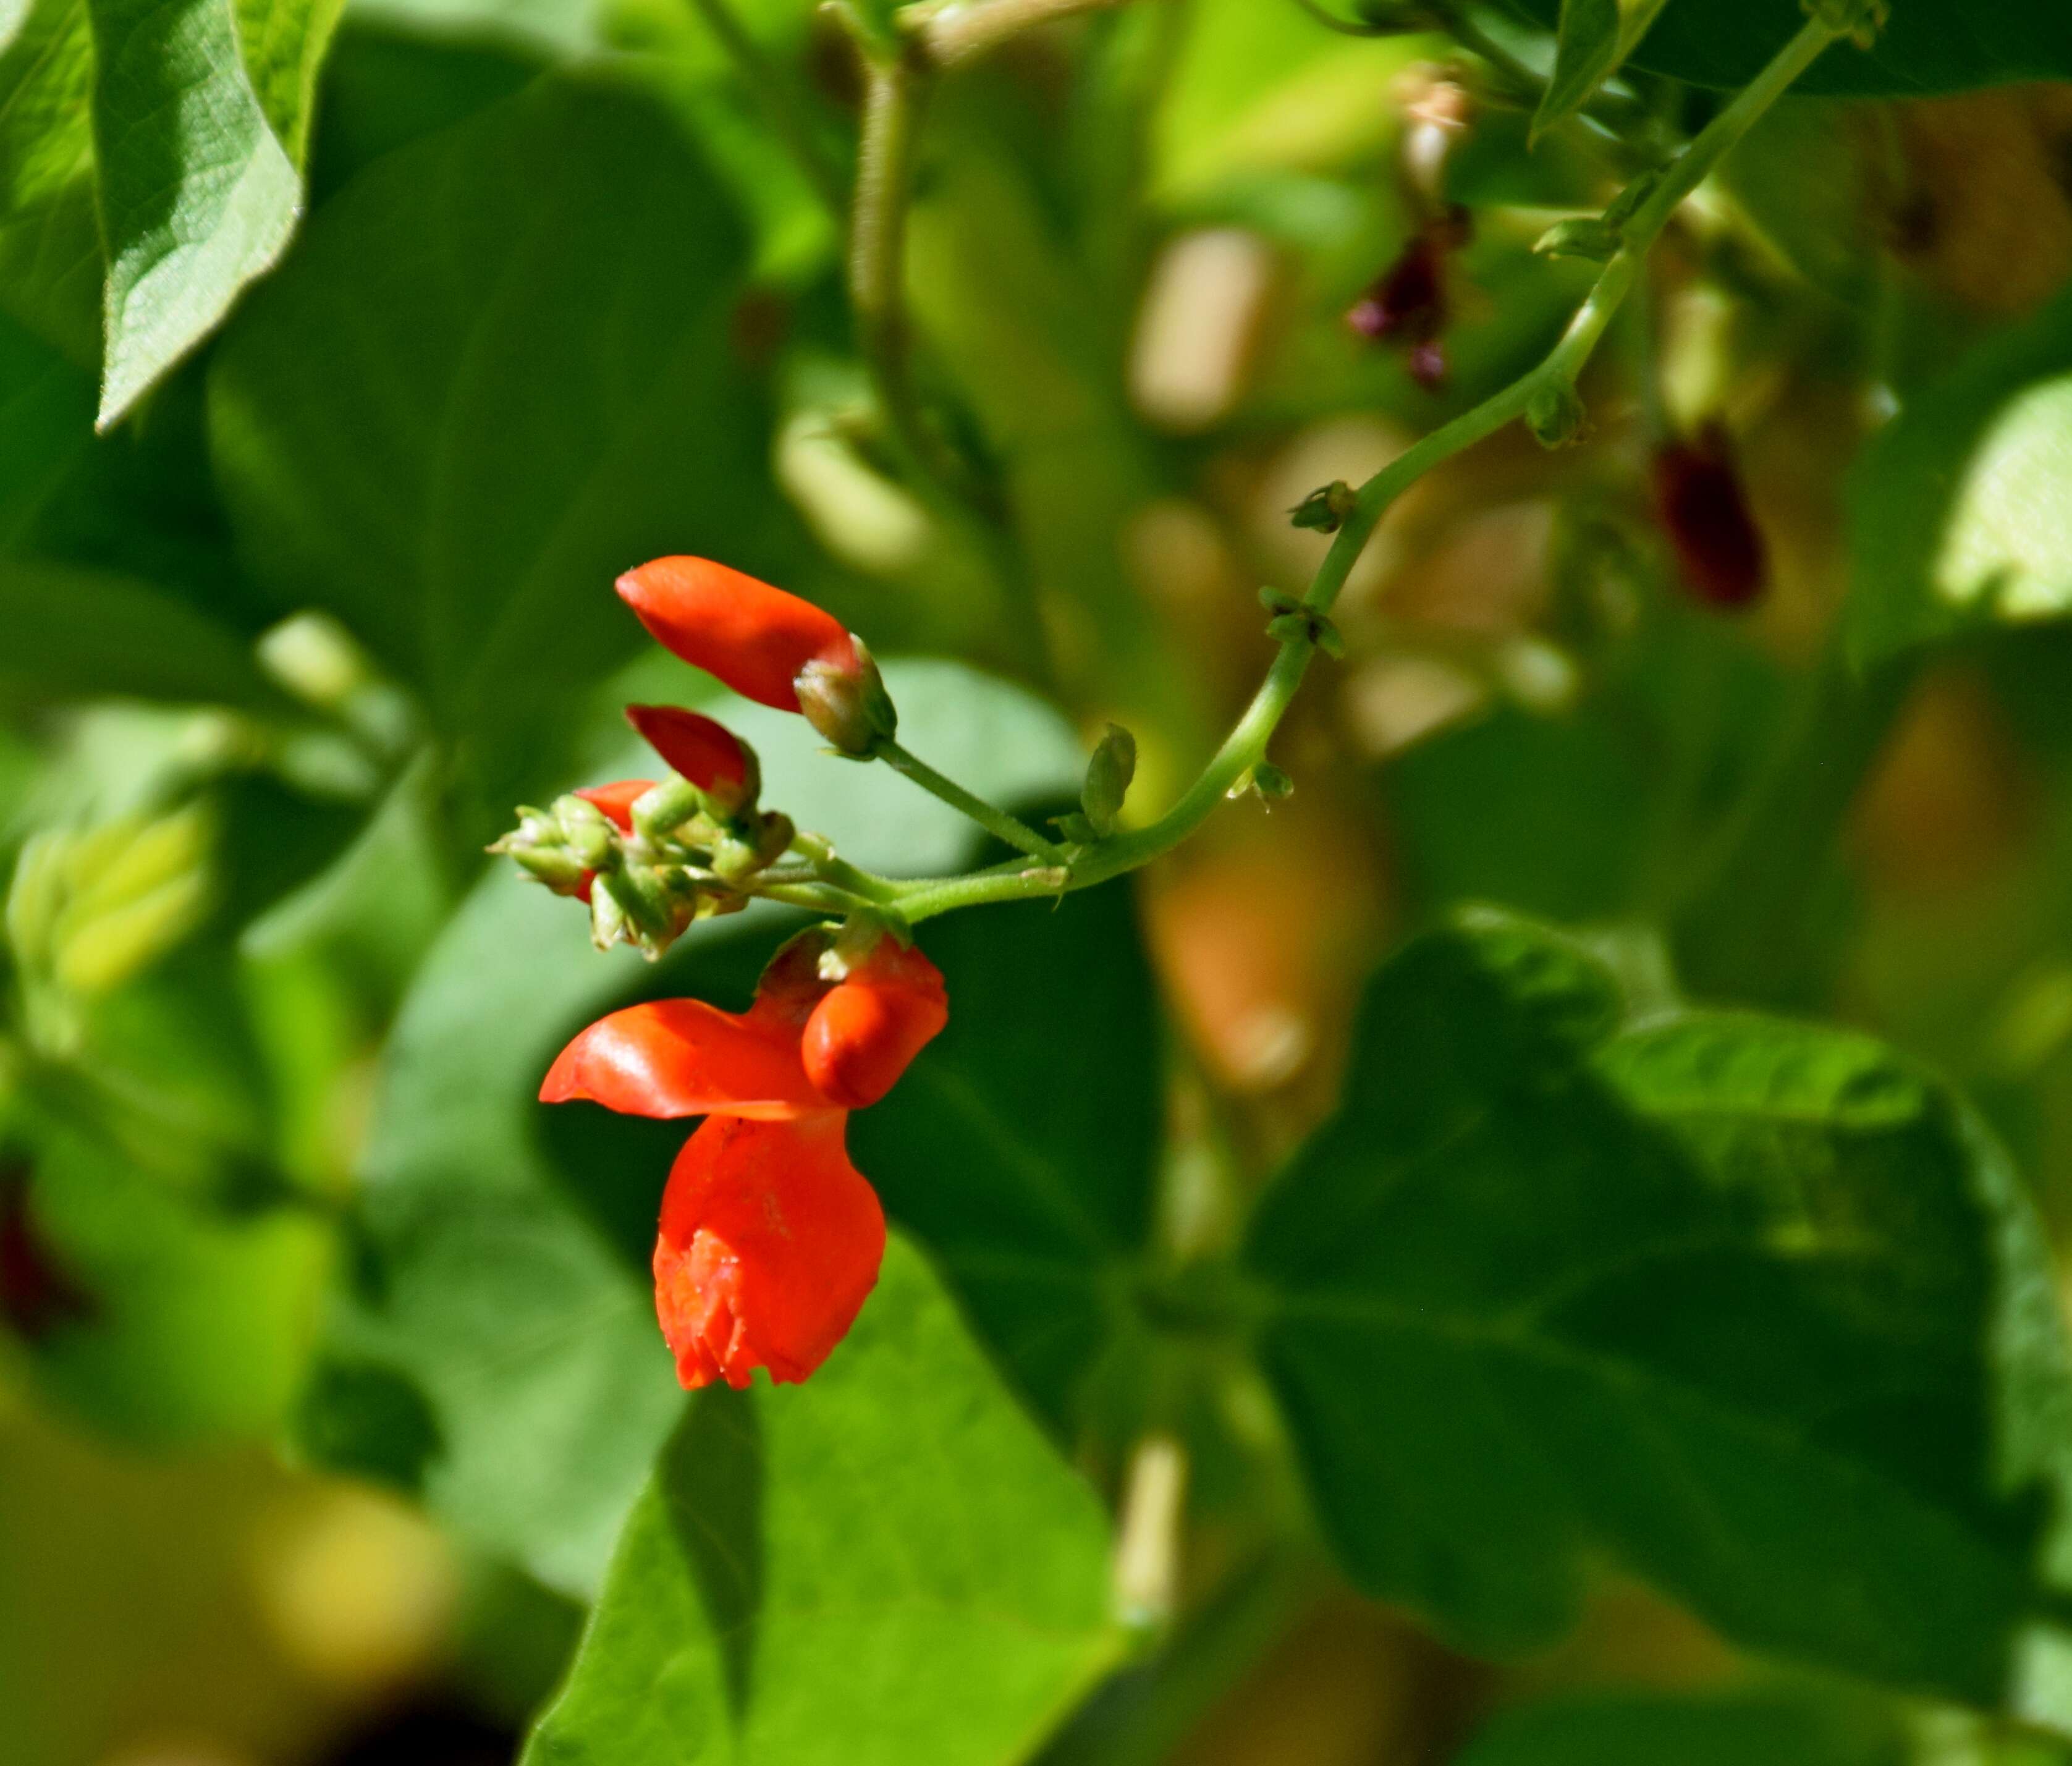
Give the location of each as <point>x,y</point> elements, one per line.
<point>78,632</point>
<point>1761,1727</point>
<point>1590,41</point>
<point>1063,1118</point>
<point>479,391</point>
<point>45,420</point>
<point>49,245</point>
<point>886,1564</point>
<point>507,1242</point>
<point>1958,518</point>
<point>1750,1307</point>
<point>284,42</point>
<point>196,195</point>
<point>1926,46</point>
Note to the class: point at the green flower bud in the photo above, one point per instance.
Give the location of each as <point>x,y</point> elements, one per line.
<point>1555,415</point>
<point>1325,511</point>
<point>586,831</point>
<point>1108,774</point>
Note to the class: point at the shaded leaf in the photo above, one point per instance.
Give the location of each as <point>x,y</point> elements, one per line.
<point>1064,1122</point>
<point>50,243</point>
<point>520,390</point>
<point>73,631</point>
<point>1775,1727</point>
<point>1750,1307</point>
<point>1592,38</point>
<point>1927,46</point>
<point>886,1564</point>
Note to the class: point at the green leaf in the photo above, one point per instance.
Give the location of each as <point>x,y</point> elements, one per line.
<point>50,243</point>
<point>46,422</point>
<point>1958,516</point>
<point>197,197</point>
<point>507,1243</point>
<point>1752,1308</point>
<point>72,631</point>
<point>1591,39</point>
<point>1774,1728</point>
<point>799,1582</point>
<point>284,42</point>
<point>522,389</point>
<point>1926,45</point>
<point>1065,1124</point>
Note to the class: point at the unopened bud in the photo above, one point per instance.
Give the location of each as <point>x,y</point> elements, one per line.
<point>586,831</point>
<point>1555,415</point>
<point>1272,785</point>
<point>1108,774</point>
<point>847,703</point>
<point>1324,511</point>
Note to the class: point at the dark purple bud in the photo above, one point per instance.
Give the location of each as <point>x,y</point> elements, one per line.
<point>1702,507</point>
<point>1408,300</point>
<point>37,1294</point>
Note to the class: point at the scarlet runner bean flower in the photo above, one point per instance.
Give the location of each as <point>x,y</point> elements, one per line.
<point>770,1239</point>
<point>766,644</point>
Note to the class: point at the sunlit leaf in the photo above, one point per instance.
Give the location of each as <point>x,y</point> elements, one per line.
<point>884,1565</point>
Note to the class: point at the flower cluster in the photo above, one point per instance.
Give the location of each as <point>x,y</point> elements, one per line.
<point>770,1239</point>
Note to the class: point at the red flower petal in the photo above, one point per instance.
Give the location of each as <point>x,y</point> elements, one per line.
<point>702,748</point>
<point>771,1241</point>
<point>616,800</point>
<point>755,637</point>
<point>682,1058</point>
<point>861,1036</point>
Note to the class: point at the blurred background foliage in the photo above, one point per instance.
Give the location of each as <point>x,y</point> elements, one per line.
<point>347,353</point>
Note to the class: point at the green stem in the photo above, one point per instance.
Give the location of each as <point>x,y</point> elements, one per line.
<point>995,822</point>
<point>834,868</point>
<point>780,102</point>
<point>1246,745</point>
<point>877,269</point>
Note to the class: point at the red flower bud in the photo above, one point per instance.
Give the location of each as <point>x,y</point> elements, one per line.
<point>771,1241</point>
<point>756,638</point>
<point>1700,502</point>
<point>702,750</point>
<point>871,1024</point>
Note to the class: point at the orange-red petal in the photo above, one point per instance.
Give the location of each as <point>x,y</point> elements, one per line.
<point>682,1058</point>
<point>769,1243</point>
<point>617,799</point>
<point>867,1029</point>
<point>701,748</point>
<point>755,637</point>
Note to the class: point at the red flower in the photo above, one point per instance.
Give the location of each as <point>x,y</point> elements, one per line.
<point>756,638</point>
<point>771,1239</point>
